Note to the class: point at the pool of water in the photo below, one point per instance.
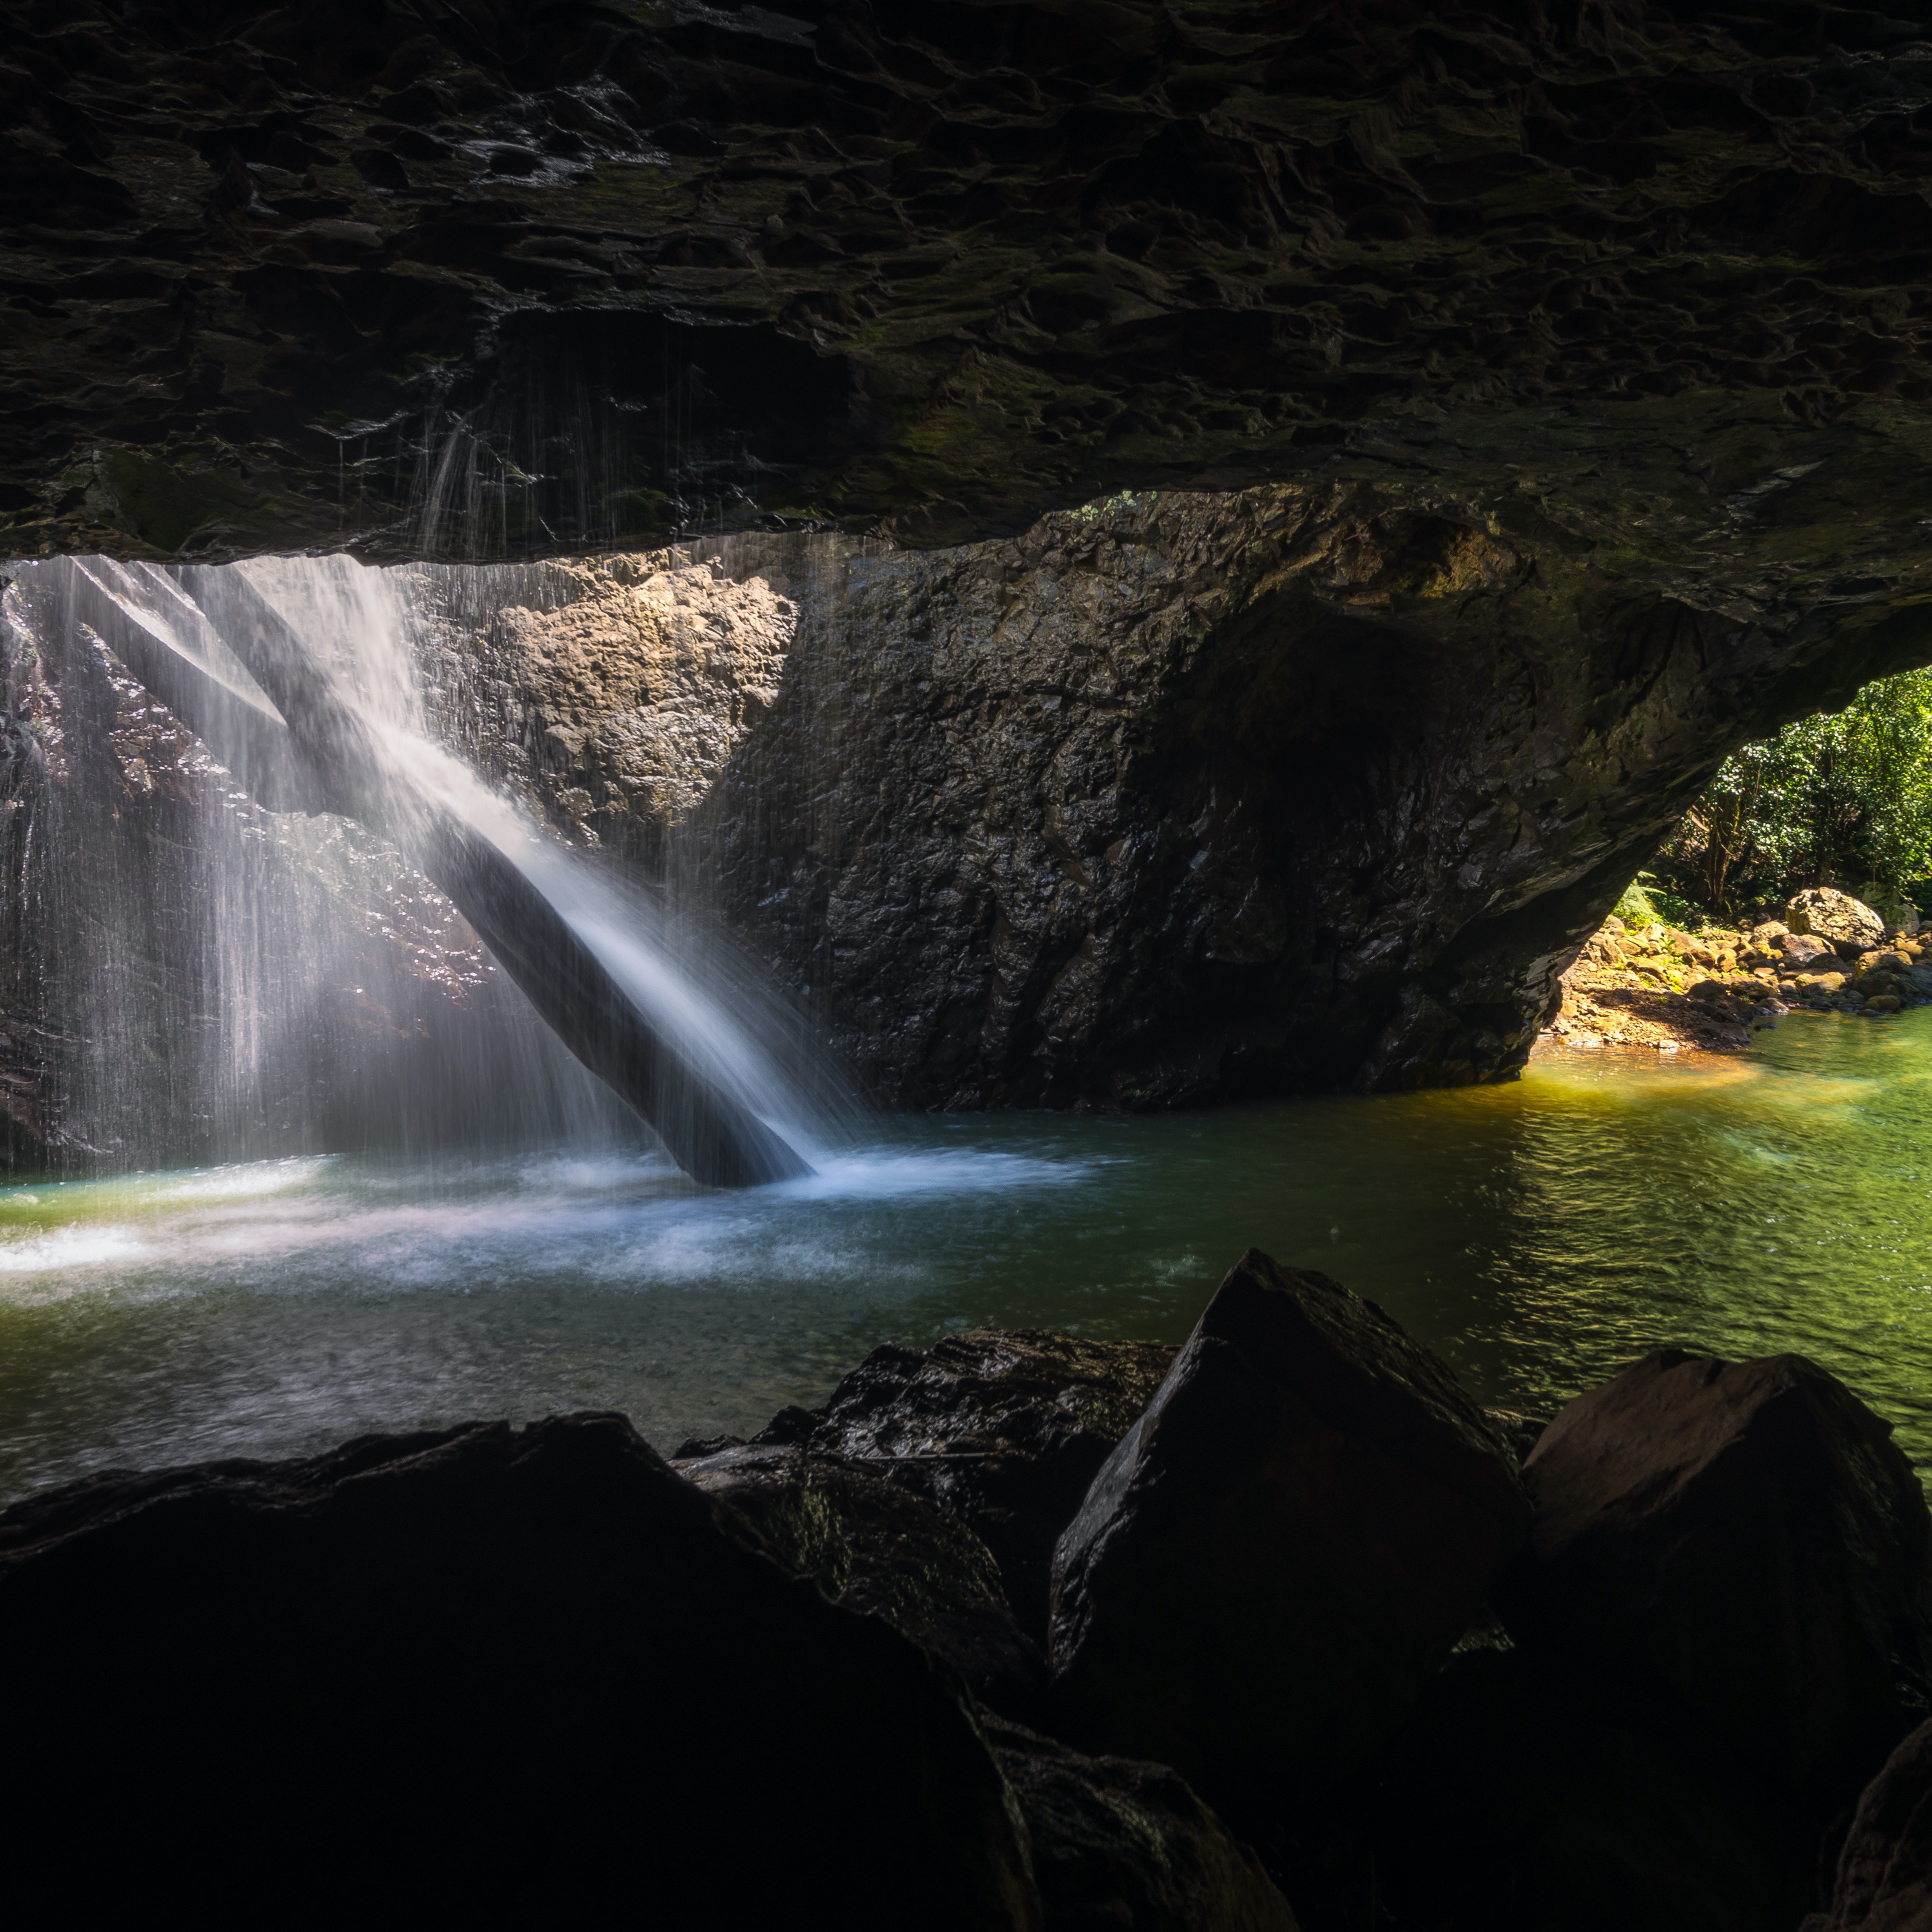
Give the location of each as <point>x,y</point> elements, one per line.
<point>1540,1234</point>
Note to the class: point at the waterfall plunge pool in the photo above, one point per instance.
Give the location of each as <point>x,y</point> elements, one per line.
<point>1540,1234</point>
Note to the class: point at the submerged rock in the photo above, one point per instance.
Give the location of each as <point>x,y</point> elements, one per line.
<point>874,1546</point>
<point>1284,1549</point>
<point>1117,1843</point>
<point>1521,1795</point>
<point>472,1673</point>
<point>1746,1539</point>
<point>1884,1872</point>
<point>1004,1427</point>
<point>1848,925</point>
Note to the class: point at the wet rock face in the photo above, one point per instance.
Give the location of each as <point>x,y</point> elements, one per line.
<point>1281,1552</point>
<point>492,1671</point>
<point>877,1548</point>
<point>1184,797</point>
<point>1747,1538</point>
<point>1004,1428</point>
<point>982,259</point>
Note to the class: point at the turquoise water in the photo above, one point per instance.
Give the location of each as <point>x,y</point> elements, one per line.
<point>1540,1234</point>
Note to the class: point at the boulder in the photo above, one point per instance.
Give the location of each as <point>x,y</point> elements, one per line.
<point>478,1674</point>
<point>1885,1871</point>
<point>1883,1002</point>
<point>1119,1843</point>
<point>1522,1796</point>
<point>1848,924</point>
<point>1283,1548</point>
<point>876,1548</point>
<point>1806,948</point>
<point>1745,1538</point>
<point>1006,1428</point>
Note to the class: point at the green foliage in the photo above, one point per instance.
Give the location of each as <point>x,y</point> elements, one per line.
<point>1842,800</point>
<point>1647,901</point>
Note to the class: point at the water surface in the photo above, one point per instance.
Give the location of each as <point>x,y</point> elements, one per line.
<point>1540,1234</point>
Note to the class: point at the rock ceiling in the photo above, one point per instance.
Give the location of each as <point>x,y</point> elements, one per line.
<point>466,278</point>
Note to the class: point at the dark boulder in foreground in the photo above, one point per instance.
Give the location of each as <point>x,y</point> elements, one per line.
<point>1885,1872</point>
<point>1117,1843</point>
<point>876,1548</point>
<point>1746,1538</point>
<point>1521,1796</point>
<point>1004,1427</point>
<point>468,1676</point>
<point>1284,1549</point>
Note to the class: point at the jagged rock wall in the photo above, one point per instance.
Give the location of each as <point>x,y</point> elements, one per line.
<point>1175,798</point>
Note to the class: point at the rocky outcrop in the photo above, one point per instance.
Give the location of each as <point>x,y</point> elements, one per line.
<point>1117,1843</point>
<point>268,289</point>
<point>1004,1428</point>
<point>880,1549</point>
<point>1570,366</point>
<point>1885,1872</point>
<point>1283,1550</point>
<point>479,1671</point>
<point>1746,1538</point>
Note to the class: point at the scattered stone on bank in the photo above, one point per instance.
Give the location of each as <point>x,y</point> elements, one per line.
<point>1885,1871</point>
<point>1005,1428</point>
<point>475,1674</point>
<point>1746,1540</point>
<point>1522,1795</point>
<point>1284,1548</point>
<point>874,1546</point>
<point>1659,989</point>
<point>1117,1843</point>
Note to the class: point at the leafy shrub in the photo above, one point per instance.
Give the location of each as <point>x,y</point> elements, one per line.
<point>1842,799</point>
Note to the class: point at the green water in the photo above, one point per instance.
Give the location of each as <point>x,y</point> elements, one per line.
<point>1540,1234</point>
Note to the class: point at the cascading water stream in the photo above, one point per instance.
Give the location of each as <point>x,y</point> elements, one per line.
<point>296,673</point>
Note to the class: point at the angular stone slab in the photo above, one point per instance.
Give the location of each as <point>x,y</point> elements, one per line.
<point>1744,1537</point>
<point>470,1677</point>
<point>1282,1550</point>
<point>1118,1843</point>
<point>878,1549</point>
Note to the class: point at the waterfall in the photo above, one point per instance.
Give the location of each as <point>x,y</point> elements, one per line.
<point>299,675</point>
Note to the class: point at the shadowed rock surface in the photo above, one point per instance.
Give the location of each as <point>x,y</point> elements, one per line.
<point>1005,1428</point>
<point>1576,358</point>
<point>476,1671</point>
<point>1885,1872</point>
<point>981,259</point>
<point>1282,1550</point>
<point>1521,1796</point>
<point>1745,1539</point>
<point>876,1548</point>
<point>1117,1843</point>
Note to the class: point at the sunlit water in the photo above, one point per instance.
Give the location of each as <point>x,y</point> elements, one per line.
<point>1540,1234</point>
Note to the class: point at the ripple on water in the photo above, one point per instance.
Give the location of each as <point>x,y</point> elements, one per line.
<point>1541,1235</point>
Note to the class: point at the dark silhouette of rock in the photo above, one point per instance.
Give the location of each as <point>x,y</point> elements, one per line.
<point>466,1676</point>
<point>1885,1871</point>
<point>1282,1550</point>
<point>1745,1539</point>
<point>877,1548</point>
<point>1521,1795</point>
<point>1117,1843</point>
<point>1004,1427</point>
